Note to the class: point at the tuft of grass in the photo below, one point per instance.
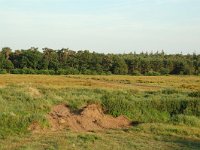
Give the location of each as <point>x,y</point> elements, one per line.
<point>170,91</point>
<point>186,120</point>
<point>194,94</point>
<point>169,130</point>
<point>88,138</point>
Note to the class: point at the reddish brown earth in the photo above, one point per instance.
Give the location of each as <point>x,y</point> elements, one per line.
<point>90,118</point>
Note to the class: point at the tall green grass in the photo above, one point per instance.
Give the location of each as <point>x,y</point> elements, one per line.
<point>151,106</point>
<point>19,109</point>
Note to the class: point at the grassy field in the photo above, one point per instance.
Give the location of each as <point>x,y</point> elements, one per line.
<point>141,83</point>
<point>165,109</point>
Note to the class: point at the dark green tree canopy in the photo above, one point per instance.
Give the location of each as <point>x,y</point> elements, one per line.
<point>66,61</point>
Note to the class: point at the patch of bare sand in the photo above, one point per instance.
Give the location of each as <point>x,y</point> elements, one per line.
<point>90,118</point>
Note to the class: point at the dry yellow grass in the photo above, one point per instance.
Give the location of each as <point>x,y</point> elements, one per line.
<point>109,82</point>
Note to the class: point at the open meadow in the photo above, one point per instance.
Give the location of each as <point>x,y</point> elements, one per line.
<point>156,112</point>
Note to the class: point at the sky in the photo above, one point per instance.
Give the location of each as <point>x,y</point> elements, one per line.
<point>106,26</point>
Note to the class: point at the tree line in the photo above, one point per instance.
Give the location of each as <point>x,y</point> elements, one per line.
<point>66,61</point>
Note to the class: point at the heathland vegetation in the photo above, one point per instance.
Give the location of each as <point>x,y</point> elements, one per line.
<point>164,110</point>
<point>66,61</point>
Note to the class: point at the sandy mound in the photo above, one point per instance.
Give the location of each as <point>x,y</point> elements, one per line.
<point>90,118</point>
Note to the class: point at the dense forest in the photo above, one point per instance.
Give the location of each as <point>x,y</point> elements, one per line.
<point>66,61</point>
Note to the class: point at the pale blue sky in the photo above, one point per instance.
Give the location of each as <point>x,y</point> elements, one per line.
<point>115,26</point>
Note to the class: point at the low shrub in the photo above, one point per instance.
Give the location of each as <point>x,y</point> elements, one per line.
<point>3,71</point>
<point>23,71</point>
<point>164,71</point>
<point>89,72</point>
<point>16,71</point>
<point>152,73</point>
<point>62,72</point>
<point>67,71</point>
<point>28,71</point>
<point>136,73</point>
<point>46,72</point>
<point>52,72</point>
